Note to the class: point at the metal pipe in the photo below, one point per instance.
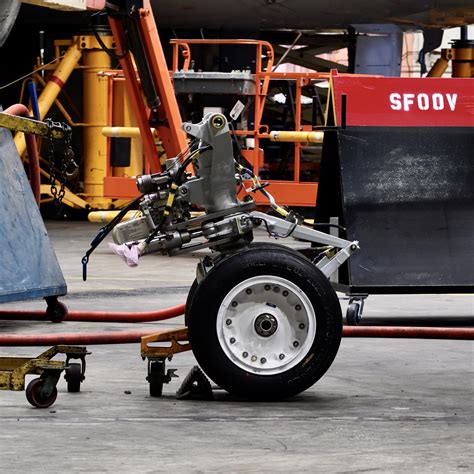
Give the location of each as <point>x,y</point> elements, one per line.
<point>53,87</point>
<point>32,148</point>
<point>127,337</point>
<point>297,137</point>
<point>125,132</point>
<point>107,216</point>
<point>99,316</point>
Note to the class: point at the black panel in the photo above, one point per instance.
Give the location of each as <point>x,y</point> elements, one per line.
<point>408,197</point>
<point>120,151</point>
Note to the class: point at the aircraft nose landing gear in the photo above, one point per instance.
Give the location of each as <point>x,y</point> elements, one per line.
<point>265,323</point>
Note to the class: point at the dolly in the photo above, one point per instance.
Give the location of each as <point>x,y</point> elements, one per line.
<point>41,392</point>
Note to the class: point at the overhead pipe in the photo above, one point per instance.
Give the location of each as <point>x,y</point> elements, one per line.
<point>32,149</point>
<point>99,316</point>
<point>127,337</point>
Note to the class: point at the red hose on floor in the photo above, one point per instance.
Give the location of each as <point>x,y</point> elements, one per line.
<point>466,334</point>
<point>99,316</point>
<point>32,149</point>
<point>124,337</point>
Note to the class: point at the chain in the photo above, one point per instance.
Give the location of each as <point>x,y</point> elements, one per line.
<point>66,162</point>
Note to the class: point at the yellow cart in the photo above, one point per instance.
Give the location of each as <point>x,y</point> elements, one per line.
<point>41,392</point>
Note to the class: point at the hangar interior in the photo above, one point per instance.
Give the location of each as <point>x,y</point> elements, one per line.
<point>237,236</point>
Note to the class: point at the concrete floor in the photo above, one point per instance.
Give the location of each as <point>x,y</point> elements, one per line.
<point>385,405</point>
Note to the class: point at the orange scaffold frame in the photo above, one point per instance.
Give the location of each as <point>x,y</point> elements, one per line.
<point>290,192</point>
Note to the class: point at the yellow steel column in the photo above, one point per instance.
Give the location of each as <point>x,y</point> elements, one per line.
<point>95,89</point>
<point>53,88</point>
<point>123,117</point>
<point>136,145</point>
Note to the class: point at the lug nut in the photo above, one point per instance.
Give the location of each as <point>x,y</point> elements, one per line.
<point>232,340</point>
<point>295,343</point>
<point>281,356</point>
<point>298,307</point>
<point>285,293</point>
<point>248,291</point>
<point>245,354</point>
<point>234,304</point>
<point>302,326</point>
<point>254,358</point>
<point>263,360</point>
<point>228,322</point>
<point>267,287</point>
<point>276,289</point>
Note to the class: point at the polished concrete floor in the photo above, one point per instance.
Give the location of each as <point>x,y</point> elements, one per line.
<point>385,405</point>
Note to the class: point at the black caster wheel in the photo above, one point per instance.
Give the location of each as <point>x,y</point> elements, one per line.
<point>353,314</point>
<point>265,323</point>
<point>156,378</point>
<point>35,394</point>
<point>74,377</point>
<point>56,311</point>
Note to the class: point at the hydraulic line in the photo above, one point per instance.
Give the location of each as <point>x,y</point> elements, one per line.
<point>128,337</point>
<point>99,316</point>
<point>32,149</point>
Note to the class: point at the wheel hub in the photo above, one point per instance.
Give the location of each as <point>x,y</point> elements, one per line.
<point>266,325</point>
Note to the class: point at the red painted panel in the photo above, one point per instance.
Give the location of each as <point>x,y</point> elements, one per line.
<point>405,102</point>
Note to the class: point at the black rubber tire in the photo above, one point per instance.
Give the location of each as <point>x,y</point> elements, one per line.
<point>74,377</point>
<point>35,397</point>
<point>195,284</point>
<point>261,259</point>
<point>156,379</point>
<point>353,316</point>
<point>56,312</point>
<point>189,300</point>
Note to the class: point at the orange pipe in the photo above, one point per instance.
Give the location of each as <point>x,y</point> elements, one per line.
<point>99,316</point>
<point>32,150</point>
<point>466,334</point>
<point>126,337</point>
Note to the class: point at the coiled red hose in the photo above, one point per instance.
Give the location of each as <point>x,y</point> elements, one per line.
<point>32,149</point>
<point>125,337</point>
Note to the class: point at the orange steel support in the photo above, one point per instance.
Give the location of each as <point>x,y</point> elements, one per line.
<point>135,94</point>
<point>169,127</point>
<point>172,136</point>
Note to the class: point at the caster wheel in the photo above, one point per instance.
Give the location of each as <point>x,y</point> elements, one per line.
<point>353,316</point>
<point>156,378</point>
<point>74,377</point>
<point>35,395</point>
<point>56,311</point>
<point>265,323</point>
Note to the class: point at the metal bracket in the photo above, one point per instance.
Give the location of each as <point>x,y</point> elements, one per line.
<point>328,265</point>
<point>177,338</point>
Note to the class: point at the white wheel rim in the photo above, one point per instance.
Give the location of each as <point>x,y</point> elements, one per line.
<point>266,325</point>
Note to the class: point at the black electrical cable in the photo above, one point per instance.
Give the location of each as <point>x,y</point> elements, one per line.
<point>103,232</point>
<point>109,51</point>
<point>187,161</point>
<point>245,163</point>
<point>176,181</point>
<point>275,234</point>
